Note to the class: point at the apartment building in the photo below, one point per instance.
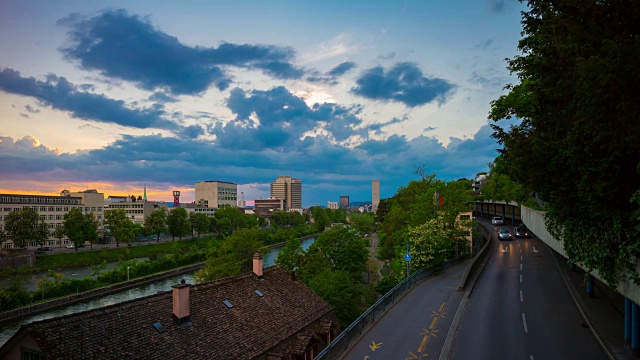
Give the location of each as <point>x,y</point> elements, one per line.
<point>273,204</point>
<point>290,190</point>
<point>52,208</point>
<point>333,205</point>
<point>215,193</point>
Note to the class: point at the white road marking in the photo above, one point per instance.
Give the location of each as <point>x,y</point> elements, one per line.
<point>534,249</point>
<point>520,257</point>
<point>530,357</point>
<point>520,277</point>
<point>521,299</point>
<point>524,322</point>
<point>520,267</point>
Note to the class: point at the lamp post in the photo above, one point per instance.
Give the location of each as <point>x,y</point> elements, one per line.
<point>128,273</point>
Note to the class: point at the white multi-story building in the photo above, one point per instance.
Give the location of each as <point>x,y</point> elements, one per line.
<point>51,209</point>
<point>333,205</point>
<point>212,194</point>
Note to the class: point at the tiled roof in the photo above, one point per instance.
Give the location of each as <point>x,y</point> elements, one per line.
<point>248,330</point>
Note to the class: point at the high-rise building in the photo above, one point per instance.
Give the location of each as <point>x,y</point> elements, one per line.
<point>212,194</point>
<point>289,189</point>
<point>344,202</point>
<point>375,195</point>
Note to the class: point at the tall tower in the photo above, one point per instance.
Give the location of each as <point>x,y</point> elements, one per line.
<point>145,192</point>
<point>289,189</point>
<point>176,199</point>
<point>344,202</point>
<point>375,195</point>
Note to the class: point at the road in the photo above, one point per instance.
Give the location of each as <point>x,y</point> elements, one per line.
<point>417,325</point>
<point>520,308</point>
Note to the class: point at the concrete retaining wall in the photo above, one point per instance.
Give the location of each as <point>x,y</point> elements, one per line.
<point>534,220</point>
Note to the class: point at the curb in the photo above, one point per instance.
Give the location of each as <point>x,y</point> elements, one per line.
<point>594,332</point>
<point>445,353</point>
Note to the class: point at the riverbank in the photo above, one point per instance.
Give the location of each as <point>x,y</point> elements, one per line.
<point>88,295</point>
<point>107,290</point>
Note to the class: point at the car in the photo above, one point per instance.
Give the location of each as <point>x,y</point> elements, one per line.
<point>504,234</point>
<point>521,231</point>
<point>46,248</point>
<point>70,246</point>
<point>496,220</point>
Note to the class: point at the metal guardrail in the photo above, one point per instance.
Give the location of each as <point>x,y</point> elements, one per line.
<point>375,312</point>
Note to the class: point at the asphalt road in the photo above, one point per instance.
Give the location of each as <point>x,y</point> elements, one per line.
<point>520,308</point>
<point>417,325</point>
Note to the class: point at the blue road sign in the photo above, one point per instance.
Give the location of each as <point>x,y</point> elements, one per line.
<point>407,257</point>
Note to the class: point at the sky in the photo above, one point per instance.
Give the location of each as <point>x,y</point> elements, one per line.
<point>121,95</point>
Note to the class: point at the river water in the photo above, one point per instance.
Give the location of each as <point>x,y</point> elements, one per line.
<point>8,329</point>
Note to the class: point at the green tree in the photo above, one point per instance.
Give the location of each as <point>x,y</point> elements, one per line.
<point>25,226</point>
<point>90,228</point>
<point>431,244</point>
<point>73,224</point>
<point>344,249</point>
<point>280,218</point>
<point>119,225</point>
<point>156,222</point>
<point>178,223</point>
<point>575,144</point>
<point>234,256</point>
<point>200,222</point>
<point>290,256</point>
<point>336,288</point>
<point>234,215</point>
<point>320,217</point>
<point>362,223</point>
<point>59,234</point>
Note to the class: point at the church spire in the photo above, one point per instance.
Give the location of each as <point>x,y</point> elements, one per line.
<point>145,192</point>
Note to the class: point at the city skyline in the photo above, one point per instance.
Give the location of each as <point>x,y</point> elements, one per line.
<point>118,95</point>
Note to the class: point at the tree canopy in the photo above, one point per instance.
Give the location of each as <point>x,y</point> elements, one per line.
<point>156,222</point>
<point>576,143</point>
<point>119,225</point>
<point>25,226</point>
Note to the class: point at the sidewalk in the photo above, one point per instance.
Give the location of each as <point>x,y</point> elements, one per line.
<point>604,311</point>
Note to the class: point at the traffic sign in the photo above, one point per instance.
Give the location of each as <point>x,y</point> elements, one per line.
<point>407,257</point>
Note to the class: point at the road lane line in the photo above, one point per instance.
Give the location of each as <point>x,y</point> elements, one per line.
<point>520,257</point>
<point>433,323</point>
<point>441,307</point>
<point>521,299</point>
<point>520,277</point>
<point>423,343</point>
<point>524,322</point>
<point>520,267</point>
<point>530,357</point>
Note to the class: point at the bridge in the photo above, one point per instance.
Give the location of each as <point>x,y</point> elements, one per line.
<point>522,301</point>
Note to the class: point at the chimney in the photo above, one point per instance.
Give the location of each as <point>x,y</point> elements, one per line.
<point>181,303</point>
<point>257,265</point>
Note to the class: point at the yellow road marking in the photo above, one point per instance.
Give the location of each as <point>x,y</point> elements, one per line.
<point>374,346</point>
<point>433,322</point>
<point>424,341</point>
<point>441,307</point>
<point>413,356</point>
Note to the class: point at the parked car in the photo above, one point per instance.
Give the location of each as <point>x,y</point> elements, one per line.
<point>504,234</point>
<point>521,231</point>
<point>70,246</point>
<point>46,248</point>
<point>496,220</point>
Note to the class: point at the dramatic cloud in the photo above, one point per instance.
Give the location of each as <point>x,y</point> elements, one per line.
<point>403,83</point>
<point>276,119</point>
<point>60,94</point>
<point>377,128</point>
<point>128,47</point>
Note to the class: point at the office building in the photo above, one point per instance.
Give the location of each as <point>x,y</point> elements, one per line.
<point>51,209</point>
<point>344,202</point>
<point>375,195</point>
<point>333,205</point>
<point>289,189</point>
<point>273,204</point>
<point>213,194</point>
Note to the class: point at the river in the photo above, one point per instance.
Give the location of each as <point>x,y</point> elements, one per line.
<point>8,329</point>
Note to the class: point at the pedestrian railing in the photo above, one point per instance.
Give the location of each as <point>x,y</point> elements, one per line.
<point>375,312</point>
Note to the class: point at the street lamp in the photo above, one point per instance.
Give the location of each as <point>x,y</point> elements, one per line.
<point>128,273</point>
